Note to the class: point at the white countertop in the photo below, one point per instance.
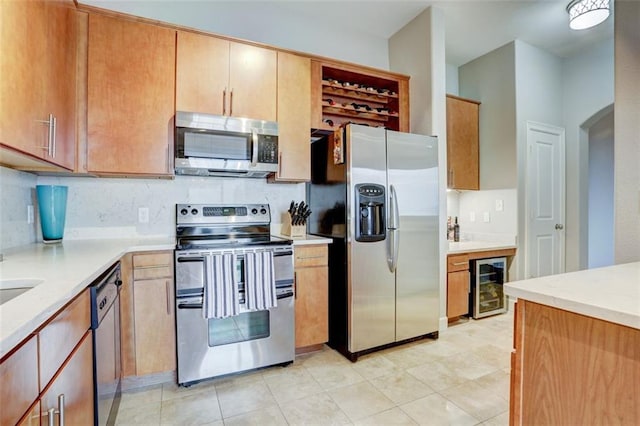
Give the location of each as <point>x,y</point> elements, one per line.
<point>66,269</point>
<point>306,240</point>
<point>473,246</point>
<point>611,293</point>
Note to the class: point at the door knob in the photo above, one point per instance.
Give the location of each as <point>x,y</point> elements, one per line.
<point>559,226</point>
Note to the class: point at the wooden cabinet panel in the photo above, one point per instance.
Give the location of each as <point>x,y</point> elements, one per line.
<point>252,82</point>
<point>32,418</point>
<point>38,68</point>
<point>462,143</point>
<point>457,293</point>
<point>220,77</point>
<point>202,73</point>
<point>19,382</point>
<point>152,266</point>
<point>57,339</point>
<point>294,117</point>
<point>131,84</point>
<point>313,255</point>
<point>457,262</point>
<point>312,306</point>
<point>154,314</point>
<point>312,295</point>
<point>75,382</point>
<point>573,369</point>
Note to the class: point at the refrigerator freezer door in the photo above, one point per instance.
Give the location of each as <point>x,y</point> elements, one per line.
<point>412,162</point>
<point>371,285</point>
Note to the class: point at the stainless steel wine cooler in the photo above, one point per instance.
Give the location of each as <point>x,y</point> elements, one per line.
<point>487,293</point>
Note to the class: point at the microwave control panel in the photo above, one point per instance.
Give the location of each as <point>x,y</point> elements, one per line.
<point>267,149</point>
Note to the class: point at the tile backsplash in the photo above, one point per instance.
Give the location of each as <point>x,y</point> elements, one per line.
<point>108,207</point>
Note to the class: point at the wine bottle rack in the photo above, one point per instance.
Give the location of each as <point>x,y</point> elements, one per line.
<point>345,95</point>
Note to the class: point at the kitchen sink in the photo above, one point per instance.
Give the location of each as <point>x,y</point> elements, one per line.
<point>14,288</point>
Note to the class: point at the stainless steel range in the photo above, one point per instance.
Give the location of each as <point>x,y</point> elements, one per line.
<point>234,291</point>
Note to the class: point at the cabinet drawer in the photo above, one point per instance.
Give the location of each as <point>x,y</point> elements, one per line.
<point>458,262</point>
<point>311,255</point>
<point>152,266</point>
<point>59,337</point>
<point>19,378</point>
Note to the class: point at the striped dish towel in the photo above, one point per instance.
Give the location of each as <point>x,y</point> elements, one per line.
<point>260,282</point>
<point>220,295</point>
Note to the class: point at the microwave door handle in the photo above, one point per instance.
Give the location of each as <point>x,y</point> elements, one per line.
<point>254,148</point>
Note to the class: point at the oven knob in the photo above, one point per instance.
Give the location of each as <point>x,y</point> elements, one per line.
<point>184,212</point>
<point>263,211</point>
<point>194,211</point>
<point>254,211</point>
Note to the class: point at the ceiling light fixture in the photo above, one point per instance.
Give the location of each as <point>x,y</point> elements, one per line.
<point>587,13</point>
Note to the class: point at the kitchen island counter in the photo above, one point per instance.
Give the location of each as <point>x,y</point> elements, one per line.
<point>65,270</point>
<point>610,294</point>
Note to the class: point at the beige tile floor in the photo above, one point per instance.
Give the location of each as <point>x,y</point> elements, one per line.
<point>460,379</point>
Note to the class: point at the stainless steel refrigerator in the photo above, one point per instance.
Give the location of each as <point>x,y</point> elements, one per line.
<point>375,193</point>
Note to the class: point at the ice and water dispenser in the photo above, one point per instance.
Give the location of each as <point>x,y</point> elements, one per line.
<point>370,217</point>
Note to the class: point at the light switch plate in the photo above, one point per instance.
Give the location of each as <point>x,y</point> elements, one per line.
<point>486,217</point>
<point>143,214</point>
<point>499,205</point>
<point>30,214</point>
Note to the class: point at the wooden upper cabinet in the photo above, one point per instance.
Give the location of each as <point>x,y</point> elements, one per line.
<point>294,118</point>
<point>463,171</point>
<point>130,97</point>
<point>222,77</point>
<point>38,84</point>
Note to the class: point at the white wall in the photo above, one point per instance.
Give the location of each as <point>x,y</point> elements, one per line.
<point>588,91</point>
<point>265,23</point>
<point>490,79</point>
<point>452,80</point>
<point>502,225</point>
<point>600,222</point>
<point>627,132</point>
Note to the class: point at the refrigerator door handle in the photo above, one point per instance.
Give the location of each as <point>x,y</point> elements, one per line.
<point>394,234</point>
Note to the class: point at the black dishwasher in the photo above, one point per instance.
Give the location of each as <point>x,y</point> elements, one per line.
<point>105,323</point>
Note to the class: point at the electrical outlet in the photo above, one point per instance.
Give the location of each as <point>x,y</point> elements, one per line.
<point>486,217</point>
<point>472,216</point>
<point>30,214</point>
<point>143,214</point>
<point>499,205</point>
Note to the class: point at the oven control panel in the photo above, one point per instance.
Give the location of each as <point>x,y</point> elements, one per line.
<point>222,213</point>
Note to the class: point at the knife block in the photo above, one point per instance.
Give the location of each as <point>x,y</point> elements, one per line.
<point>292,230</point>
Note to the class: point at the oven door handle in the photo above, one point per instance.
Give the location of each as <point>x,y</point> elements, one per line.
<point>190,259</point>
<point>186,305</point>
<point>282,253</point>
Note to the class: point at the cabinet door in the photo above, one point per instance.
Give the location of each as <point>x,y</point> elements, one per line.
<point>457,293</point>
<point>19,382</point>
<point>462,144</point>
<point>131,84</point>
<point>312,306</point>
<point>154,326</point>
<point>252,82</point>
<point>202,73</point>
<point>61,79</point>
<point>75,382</point>
<point>294,117</point>
<point>23,32</point>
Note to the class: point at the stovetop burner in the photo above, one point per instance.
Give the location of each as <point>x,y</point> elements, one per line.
<point>205,226</point>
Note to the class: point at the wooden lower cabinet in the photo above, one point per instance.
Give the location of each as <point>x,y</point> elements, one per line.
<point>56,360</point>
<point>74,382</point>
<point>571,369</point>
<point>148,314</point>
<point>458,286</point>
<point>312,296</point>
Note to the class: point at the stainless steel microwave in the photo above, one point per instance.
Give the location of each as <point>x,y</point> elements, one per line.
<point>215,145</point>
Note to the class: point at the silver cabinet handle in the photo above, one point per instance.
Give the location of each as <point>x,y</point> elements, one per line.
<point>309,257</point>
<point>231,102</point>
<point>168,291</point>
<point>460,263</point>
<point>224,101</point>
<point>51,136</point>
<point>280,164</point>
<point>51,412</point>
<point>559,226</point>
<point>52,130</point>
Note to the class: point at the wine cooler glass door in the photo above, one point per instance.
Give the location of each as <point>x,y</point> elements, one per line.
<point>490,275</point>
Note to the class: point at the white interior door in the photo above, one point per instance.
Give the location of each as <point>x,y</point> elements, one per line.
<point>545,200</point>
